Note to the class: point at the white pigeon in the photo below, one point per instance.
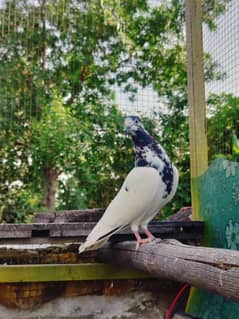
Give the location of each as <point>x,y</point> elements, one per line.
<point>146,189</point>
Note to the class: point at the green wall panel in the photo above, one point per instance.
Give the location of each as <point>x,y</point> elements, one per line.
<point>218,190</point>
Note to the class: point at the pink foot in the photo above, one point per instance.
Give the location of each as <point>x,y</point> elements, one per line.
<point>149,235</point>
<point>140,240</point>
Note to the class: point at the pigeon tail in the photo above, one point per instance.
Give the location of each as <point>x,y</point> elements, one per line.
<point>98,237</point>
<point>92,245</point>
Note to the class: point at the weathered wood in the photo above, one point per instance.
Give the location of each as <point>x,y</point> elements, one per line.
<point>213,269</point>
<point>64,249</point>
<point>15,230</point>
<point>70,216</point>
<point>92,215</point>
<point>68,272</point>
<point>19,254</point>
<point>185,231</point>
<point>183,215</point>
<point>196,96</point>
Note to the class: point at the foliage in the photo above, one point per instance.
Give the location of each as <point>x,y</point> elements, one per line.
<point>59,61</point>
<point>223,126</point>
<point>212,9</point>
<point>212,69</point>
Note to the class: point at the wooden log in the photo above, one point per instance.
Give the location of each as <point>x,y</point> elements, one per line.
<point>213,269</point>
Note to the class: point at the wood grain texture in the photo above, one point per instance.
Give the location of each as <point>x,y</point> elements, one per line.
<point>91,215</point>
<point>70,216</point>
<point>196,96</point>
<point>212,269</point>
<point>180,230</point>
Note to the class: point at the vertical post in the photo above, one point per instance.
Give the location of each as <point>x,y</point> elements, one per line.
<point>196,98</point>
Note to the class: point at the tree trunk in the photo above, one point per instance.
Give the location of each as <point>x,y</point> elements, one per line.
<point>50,174</point>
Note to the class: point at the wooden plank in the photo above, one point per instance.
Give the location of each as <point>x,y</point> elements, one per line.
<point>196,97</point>
<point>69,272</point>
<point>44,217</point>
<point>15,230</point>
<point>180,230</point>
<point>70,216</point>
<point>183,215</point>
<point>40,250</point>
<point>18,254</point>
<point>212,269</point>
<point>91,215</point>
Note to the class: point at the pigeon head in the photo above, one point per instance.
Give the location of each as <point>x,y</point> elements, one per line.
<point>135,128</point>
<point>132,124</point>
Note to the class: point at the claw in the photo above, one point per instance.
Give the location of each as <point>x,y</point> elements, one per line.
<point>148,234</point>
<point>141,241</point>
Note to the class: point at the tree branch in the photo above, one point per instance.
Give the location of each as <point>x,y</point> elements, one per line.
<point>213,269</point>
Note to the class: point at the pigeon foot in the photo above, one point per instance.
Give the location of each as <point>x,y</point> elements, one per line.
<point>148,234</point>
<point>141,241</point>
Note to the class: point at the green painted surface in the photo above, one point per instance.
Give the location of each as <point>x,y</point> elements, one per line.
<point>67,272</point>
<point>219,208</point>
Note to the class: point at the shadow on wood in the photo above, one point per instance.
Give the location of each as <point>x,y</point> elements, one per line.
<point>213,269</point>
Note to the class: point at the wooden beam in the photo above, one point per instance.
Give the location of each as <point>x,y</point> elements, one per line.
<point>196,97</point>
<point>181,230</point>
<point>91,215</point>
<point>213,269</point>
<point>70,216</point>
<point>67,272</point>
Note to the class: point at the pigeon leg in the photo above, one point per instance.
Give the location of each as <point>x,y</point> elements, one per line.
<point>140,240</point>
<point>149,235</point>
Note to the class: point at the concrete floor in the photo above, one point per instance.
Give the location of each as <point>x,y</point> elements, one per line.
<point>134,305</point>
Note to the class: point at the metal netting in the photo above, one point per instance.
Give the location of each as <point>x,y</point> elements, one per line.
<point>223,46</point>
<point>65,75</point>
<point>222,89</point>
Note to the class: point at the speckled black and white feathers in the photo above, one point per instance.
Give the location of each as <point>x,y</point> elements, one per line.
<point>149,153</point>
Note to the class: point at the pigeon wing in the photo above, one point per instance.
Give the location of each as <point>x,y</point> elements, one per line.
<point>135,198</point>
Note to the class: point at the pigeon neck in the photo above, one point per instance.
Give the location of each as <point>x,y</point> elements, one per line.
<point>142,138</point>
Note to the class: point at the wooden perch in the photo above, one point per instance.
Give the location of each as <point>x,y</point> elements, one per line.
<point>213,269</point>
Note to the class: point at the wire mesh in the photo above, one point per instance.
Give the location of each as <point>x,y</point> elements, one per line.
<point>60,72</point>
<point>223,46</point>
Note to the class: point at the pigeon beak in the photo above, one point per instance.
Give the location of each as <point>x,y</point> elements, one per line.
<point>126,129</point>
<point>126,126</point>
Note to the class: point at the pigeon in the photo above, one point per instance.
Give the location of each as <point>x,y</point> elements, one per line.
<point>149,153</point>
<point>149,186</point>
